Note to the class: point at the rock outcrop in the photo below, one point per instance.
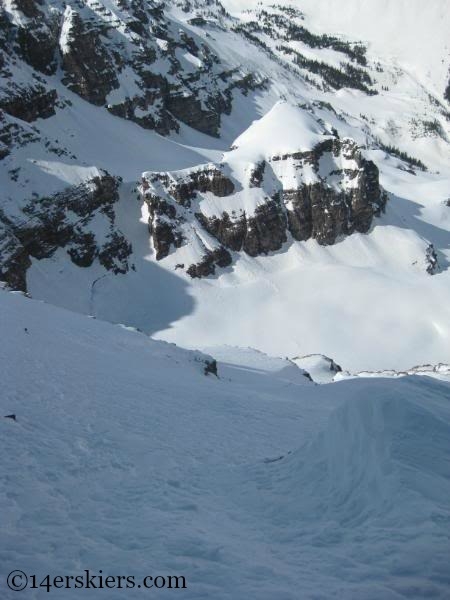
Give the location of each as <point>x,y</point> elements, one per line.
<point>207,266</point>
<point>65,220</point>
<point>181,189</point>
<point>263,232</point>
<point>327,192</point>
<point>89,70</point>
<point>29,103</point>
<point>31,32</point>
<point>128,57</point>
<point>431,260</point>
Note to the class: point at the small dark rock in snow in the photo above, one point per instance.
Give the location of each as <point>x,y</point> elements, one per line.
<point>211,367</point>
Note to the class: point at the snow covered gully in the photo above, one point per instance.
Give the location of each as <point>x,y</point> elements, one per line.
<point>125,458</point>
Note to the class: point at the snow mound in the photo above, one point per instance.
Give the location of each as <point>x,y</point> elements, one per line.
<point>386,457</point>
<point>322,369</point>
<point>296,131</point>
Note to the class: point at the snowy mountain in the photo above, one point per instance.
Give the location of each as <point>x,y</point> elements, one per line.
<point>196,169</point>
<point>224,284</point>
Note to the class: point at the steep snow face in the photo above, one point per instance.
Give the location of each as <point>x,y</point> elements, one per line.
<point>66,35</point>
<point>401,31</point>
<point>124,457</point>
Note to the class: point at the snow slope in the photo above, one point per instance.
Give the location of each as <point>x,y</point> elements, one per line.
<point>402,31</point>
<point>257,484</point>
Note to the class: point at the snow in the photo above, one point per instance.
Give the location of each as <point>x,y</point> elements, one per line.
<point>399,31</point>
<point>367,301</point>
<point>128,87</point>
<point>18,18</point>
<point>305,301</point>
<point>188,60</point>
<point>296,131</point>
<point>310,299</point>
<point>126,458</point>
<point>66,29</point>
<point>96,139</point>
<point>322,369</point>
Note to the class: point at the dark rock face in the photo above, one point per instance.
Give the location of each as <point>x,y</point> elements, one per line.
<point>140,109</point>
<point>14,258</point>
<point>89,69</point>
<point>229,232</point>
<point>211,367</point>
<point>15,134</point>
<point>431,259</point>
<point>162,226</point>
<point>164,236</point>
<point>264,232</point>
<point>164,219</point>
<point>322,212</point>
<point>106,57</point>
<point>207,266</point>
<point>35,39</point>
<point>62,221</point>
<point>189,110</point>
<point>344,198</point>
<point>257,174</point>
<point>299,216</point>
<point>184,186</point>
<point>30,103</point>
<point>205,180</point>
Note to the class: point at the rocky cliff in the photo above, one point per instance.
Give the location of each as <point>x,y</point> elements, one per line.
<point>68,69</point>
<point>81,220</point>
<point>126,56</point>
<point>324,193</point>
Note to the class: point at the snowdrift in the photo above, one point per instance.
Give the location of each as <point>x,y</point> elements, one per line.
<point>384,456</point>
